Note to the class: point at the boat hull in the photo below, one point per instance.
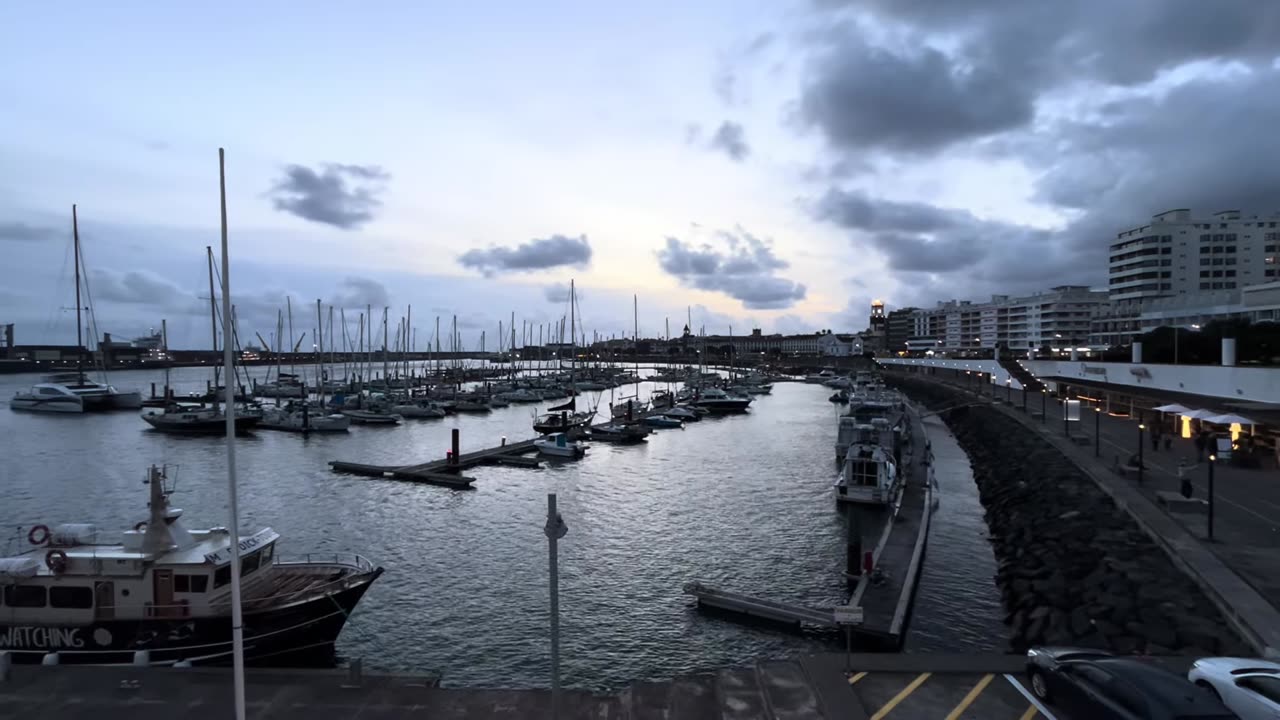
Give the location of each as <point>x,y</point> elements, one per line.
<point>724,407</point>
<point>301,634</point>
<point>29,403</point>
<point>201,427</point>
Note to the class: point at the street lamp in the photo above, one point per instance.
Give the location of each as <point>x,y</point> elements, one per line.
<point>1097,436</point>
<point>1141,427</point>
<point>1008,390</point>
<point>1212,459</point>
<point>1044,400</point>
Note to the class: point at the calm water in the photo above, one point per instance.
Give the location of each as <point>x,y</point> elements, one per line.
<point>742,502</point>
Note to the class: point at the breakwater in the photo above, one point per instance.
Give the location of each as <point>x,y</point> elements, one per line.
<point>1073,568</point>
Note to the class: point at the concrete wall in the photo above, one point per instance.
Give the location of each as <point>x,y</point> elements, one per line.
<point>1234,383</point>
<point>983,366</point>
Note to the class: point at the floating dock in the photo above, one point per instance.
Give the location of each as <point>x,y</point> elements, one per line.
<point>447,471</point>
<point>885,594</point>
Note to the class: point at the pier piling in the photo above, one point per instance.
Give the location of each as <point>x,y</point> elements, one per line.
<point>453,458</point>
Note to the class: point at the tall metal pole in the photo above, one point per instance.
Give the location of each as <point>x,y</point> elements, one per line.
<point>554,530</point>
<point>1044,399</point>
<point>1097,434</point>
<point>213,321</point>
<point>233,527</point>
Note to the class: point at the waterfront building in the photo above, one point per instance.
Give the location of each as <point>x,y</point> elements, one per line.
<point>1060,318</point>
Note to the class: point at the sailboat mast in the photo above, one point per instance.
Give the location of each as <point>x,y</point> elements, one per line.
<point>292,348</point>
<point>319,351</point>
<point>164,344</point>
<point>572,342</point>
<point>635,339</point>
<point>75,240</point>
<point>237,620</point>
<point>385,369</point>
<point>213,321</point>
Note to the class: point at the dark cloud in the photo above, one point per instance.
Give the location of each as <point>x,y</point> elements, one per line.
<point>141,287</point>
<point>958,71</point>
<point>743,268</point>
<point>358,292</point>
<point>22,232</point>
<point>537,254</point>
<point>344,196</point>
<point>557,293</point>
<point>729,139</point>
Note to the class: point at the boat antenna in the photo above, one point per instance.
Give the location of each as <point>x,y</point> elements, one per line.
<point>237,620</point>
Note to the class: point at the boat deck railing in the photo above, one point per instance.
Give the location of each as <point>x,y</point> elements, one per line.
<point>352,560</point>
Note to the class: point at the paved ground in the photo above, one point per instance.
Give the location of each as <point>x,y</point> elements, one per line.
<point>818,687</point>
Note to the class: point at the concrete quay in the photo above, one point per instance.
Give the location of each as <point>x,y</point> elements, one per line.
<point>816,687</point>
<point>1239,569</point>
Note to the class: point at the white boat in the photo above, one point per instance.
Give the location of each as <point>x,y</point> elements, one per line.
<point>719,401</point>
<point>163,589</point>
<point>820,377</point>
<point>869,476</point>
<point>303,420</point>
<point>371,416</point>
<point>73,392</point>
<point>48,397</point>
<point>179,419</point>
<point>559,445</point>
<point>418,409</point>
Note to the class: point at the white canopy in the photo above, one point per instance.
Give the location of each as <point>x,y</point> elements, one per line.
<point>1199,414</point>
<point>1229,419</point>
<point>1174,408</point>
<point>18,568</point>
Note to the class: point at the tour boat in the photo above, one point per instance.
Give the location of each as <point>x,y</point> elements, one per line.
<point>869,476</point>
<point>182,419</point>
<point>162,595</point>
<point>559,445</point>
<point>719,401</point>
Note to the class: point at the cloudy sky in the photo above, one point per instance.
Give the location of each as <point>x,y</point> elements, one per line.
<point>766,163</point>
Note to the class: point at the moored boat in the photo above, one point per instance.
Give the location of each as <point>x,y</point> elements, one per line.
<point>166,591</point>
<point>559,445</point>
<point>663,421</point>
<point>719,401</point>
<point>179,419</point>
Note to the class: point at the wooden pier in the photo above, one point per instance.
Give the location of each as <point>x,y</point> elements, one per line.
<point>760,608</point>
<point>447,471</point>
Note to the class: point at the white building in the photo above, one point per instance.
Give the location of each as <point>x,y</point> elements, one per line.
<point>1059,318</point>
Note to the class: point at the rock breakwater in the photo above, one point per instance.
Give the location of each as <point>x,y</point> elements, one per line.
<point>1074,569</point>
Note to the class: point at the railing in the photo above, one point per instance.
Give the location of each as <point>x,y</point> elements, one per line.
<point>352,560</point>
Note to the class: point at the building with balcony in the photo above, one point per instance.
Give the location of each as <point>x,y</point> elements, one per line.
<point>1058,318</point>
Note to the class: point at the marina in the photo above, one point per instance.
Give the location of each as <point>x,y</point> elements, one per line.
<point>692,487</point>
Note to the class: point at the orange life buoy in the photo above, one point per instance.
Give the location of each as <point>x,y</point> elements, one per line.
<point>56,560</point>
<point>140,526</point>
<point>41,532</point>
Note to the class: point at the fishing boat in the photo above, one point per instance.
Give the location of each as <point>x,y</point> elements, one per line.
<point>663,421</point>
<point>718,401</point>
<point>181,419</point>
<point>869,476</point>
<point>303,419</point>
<point>559,445</point>
<point>164,591</point>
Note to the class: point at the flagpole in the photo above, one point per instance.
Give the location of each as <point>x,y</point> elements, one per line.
<point>237,623</point>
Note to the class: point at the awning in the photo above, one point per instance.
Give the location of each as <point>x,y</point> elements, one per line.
<point>1174,408</point>
<point>1230,419</point>
<point>1199,414</point>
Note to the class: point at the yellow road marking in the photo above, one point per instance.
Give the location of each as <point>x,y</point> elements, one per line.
<point>900,696</point>
<point>973,695</point>
<point>856,677</point>
<point>1030,713</point>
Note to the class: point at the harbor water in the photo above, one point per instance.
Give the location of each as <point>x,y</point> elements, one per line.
<point>740,502</point>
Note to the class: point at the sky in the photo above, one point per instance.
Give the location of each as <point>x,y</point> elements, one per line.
<point>771,164</point>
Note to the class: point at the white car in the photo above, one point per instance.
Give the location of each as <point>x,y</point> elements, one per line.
<point>1249,687</point>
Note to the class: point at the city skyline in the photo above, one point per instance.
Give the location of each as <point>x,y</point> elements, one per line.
<point>767,165</point>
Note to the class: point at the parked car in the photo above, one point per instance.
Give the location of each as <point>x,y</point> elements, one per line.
<point>1250,687</point>
<point>1097,685</point>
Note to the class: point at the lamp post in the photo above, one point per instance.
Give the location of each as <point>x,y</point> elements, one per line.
<point>1008,390</point>
<point>1097,435</point>
<point>1212,459</point>
<point>1141,427</point>
<point>554,530</point>
<point>1066,426</point>
<point>1044,402</point>
<point>1024,399</point>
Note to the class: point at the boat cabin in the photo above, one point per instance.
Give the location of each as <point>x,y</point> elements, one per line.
<point>869,476</point>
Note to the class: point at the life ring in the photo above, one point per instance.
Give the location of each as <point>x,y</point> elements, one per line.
<point>142,525</point>
<point>56,560</point>
<point>39,535</point>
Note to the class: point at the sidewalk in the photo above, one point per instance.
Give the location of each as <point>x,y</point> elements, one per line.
<point>1246,508</point>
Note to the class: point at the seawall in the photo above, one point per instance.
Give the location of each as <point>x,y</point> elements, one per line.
<point>1073,568</point>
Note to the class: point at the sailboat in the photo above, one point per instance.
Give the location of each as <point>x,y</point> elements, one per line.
<point>566,417</point>
<point>187,419</point>
<point>73,391</point>
<point>631,408</point>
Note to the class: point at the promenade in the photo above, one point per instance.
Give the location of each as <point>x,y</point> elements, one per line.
<point>1239,567</point>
